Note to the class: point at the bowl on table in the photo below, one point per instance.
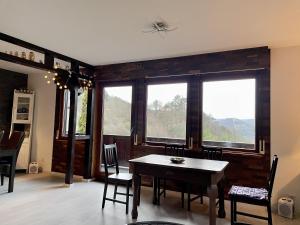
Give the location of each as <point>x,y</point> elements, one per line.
<point>177,160</point>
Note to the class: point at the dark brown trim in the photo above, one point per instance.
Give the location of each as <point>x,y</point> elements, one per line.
<point>21,43</point>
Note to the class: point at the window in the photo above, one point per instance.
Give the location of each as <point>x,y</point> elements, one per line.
<point>228,117</point>
<point>166,112</point>
<point>117,110</point>
<point>81,112</point>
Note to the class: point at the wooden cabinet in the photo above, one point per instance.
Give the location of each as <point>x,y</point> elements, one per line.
<point>22,118</point>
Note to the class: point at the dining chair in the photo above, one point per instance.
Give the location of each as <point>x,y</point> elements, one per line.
<point>211,153</point>
<point>110,160</point>
<point>254,196</point>
<point>12,143</point>
<point>171,150</point>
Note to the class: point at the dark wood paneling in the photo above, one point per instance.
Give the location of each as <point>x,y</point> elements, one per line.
<point>244,59</point>
<point>8,82</point>
<point>59,157</point>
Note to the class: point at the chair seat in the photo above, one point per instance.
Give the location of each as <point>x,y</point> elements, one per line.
<point>248,193</point>
<point>121,176</point>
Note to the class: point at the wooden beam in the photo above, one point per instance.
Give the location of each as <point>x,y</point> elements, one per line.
<point>71,135</point>
<point>25,44</point>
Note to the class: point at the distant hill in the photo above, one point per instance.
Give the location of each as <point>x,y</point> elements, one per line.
<point>244,128</point>
<point>168,120</point>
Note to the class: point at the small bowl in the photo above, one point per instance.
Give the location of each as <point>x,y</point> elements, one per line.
<point>177,160</point>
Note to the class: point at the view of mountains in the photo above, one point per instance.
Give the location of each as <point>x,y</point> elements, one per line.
<point>169,121</point>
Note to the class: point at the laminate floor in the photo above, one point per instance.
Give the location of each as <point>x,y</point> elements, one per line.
<point>42,199</point>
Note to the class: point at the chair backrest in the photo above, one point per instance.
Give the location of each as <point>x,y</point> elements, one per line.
<point>174,149</point>
<point>110,157</point>
<point>213,153</point>
<point>1,135</point>
<point>14,141</point>
<point>272,175</point>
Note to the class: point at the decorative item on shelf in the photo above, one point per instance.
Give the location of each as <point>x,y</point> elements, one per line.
<point>31,56</point>
<point>16,53</point>
<point>23,55</point>
<point>57,65</point>
<point>24,91</point>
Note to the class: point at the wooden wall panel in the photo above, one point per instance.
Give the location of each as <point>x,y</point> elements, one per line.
<point>59,157</point>
<point>9,81</point>
<point>244,59</point>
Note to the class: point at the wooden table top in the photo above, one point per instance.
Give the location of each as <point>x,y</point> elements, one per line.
<point>213,166</point>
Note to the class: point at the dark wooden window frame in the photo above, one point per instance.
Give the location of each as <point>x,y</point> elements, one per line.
<point>158,81</point>
<point>200,78</point>
<point>120,84</point>
<point>238,75</point>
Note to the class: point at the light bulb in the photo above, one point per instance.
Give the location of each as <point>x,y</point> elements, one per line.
<point>49,72</point>
<point>48,81</point>
<point>60,87</point>
<point>55,74</point>
<point>45,76</point>
<point>65,87</point>
<point>57,83</point>
<point>53,78</point>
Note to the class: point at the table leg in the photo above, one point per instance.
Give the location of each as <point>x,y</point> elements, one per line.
<point>12,171</point>
<point>155,190</point>
<point>137,183</point>
<point>212,192</point>
<point>221,212</point>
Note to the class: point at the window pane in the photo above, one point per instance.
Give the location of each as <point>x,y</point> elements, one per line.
<point>81,112</point>
<point>229,112</point>
<point>117,110</point>
<point>166,111</point>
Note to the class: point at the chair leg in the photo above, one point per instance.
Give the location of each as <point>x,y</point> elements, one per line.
<point>115,191</point>
<point>158,191</point>
<point>165,186</point>
<point>139,196</point>
<point>127,197</point>
<point>234,211</point>
<point>2,179</point>
<point>201,196</point>
<point>182,199</point>
<point>269,214</point>
<point>231,211</point>
<point>104,194</point>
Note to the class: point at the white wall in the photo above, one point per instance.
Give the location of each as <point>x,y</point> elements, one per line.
<point>43,124</point>
<point>285,120</point>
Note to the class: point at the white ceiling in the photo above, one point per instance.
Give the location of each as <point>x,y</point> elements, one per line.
<point>110,31</point>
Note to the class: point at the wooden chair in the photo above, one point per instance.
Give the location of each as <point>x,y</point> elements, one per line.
<point>13,143</point>
<point>254,196</point>
<point>207,152</point>
<point>172,150</point>
<point>110,159</point>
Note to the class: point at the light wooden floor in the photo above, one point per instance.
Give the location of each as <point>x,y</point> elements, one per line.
<point>43,200</point>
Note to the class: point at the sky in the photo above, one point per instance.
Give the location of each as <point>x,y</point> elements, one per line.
<point>221,99</point>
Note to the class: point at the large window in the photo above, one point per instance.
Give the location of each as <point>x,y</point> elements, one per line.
<point>229,113</point>
<point>166,112</point>
<point>117,110</point>
<point>81,112</point>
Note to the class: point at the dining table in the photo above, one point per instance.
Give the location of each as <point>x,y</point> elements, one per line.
<point>209,173</point>
<point>9,156</point>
